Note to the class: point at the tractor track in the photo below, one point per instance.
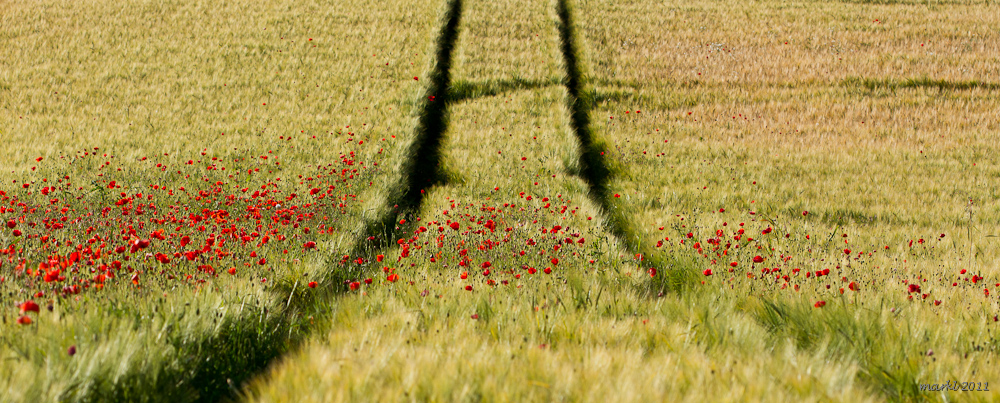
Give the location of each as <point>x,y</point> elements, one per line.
<point>419,172</point>
<point>596,171</point>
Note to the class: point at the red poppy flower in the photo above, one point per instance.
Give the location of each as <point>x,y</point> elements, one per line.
<point>392,277</point>
<point>454,226</point>
<point>820,304</point>
<point>912,288</point>
<point>312,284</point>
<point>24,320</point>
<point>29,306</point>
<point>707,272</point>
<point>758,259</point>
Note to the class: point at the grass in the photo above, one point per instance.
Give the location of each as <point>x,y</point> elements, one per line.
<point>635,201</point>
<point>167,104</point>
<point>710,172</point>
<point>758,117</point>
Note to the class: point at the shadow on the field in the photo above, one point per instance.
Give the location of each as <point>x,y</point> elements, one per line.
<point>615,82</point>
<point>422,167</point>
<point>603,95</point>
<point>462,90</point>
<point>224,376</point>
<point>874,84</point>
<point>669,273</point>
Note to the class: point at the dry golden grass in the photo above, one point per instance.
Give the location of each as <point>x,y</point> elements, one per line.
<point>836,107</point>
<point>852,120</point>
<point>877,120</point>
<point>143,78</point>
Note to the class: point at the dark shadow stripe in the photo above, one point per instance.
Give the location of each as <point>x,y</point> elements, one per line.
<point>462,90</point>
<point>245,350</point>
<point>873,84</point>
<point>671,274</point>
<point>422,169</point>
<point>419,171</point>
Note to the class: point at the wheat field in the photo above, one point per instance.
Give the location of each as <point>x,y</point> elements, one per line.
<point>457,200</point>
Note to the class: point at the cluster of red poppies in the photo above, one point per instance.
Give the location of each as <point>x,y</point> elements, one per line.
<point>158,227</point>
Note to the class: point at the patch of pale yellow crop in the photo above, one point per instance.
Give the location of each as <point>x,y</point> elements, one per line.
<point>392,344</point>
